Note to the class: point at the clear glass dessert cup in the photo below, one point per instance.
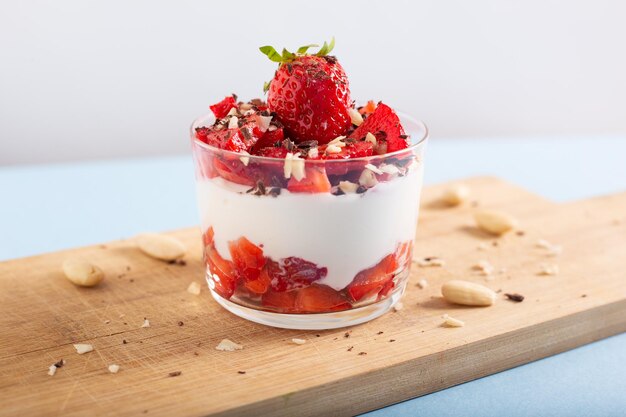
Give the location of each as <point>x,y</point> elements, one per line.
<point>308,244</point>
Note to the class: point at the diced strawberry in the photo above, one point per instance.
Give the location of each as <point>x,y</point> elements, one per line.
<point>207,237</point>
<point>284,301</point>
<point>233,171</point>
<point>261,284</point>
<point>272,152</point>
<point>351,150</point>
<point>293,273</point>
<point>222,108</point>
<point>389,285</point>
<point>247,257</point>
<point>384,119</point>
<point>227,278</point>
<point>371,281</point>
<point>269,139</point>
<point>315,181</point>
<point>320,298</point>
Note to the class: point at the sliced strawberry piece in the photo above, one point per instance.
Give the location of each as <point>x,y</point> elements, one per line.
<point>371,281</point>
<point>293,273</point>
<point>269,139</point>
<point>385,120</point>
<point>284,301</point>
<point>207,237</point>
<point>389,285</point>
<point>315,181</point>
<point>224,270</point>
<point>272,152</point>
<point>354,149</point>
<point>222,108</point>
<point>247,257</point>
<point>233,171</point>
<point>261,284</point>
<point>319,299</point>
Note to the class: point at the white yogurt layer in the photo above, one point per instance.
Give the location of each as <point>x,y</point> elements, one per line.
<point>346,233</point>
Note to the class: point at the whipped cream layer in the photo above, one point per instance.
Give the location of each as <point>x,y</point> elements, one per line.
<point>346,233</point>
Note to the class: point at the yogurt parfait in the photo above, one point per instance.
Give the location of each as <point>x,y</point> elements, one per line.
<point>308,203</point>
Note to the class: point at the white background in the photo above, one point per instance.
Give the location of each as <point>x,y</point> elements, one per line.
<point>87,80</point>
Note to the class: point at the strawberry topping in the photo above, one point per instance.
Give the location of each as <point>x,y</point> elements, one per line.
<point>309,94</point>
<point>222,108</point>
<point>385,125</point>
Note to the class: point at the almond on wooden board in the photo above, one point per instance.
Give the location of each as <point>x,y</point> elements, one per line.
<point>495,222</point>
<point>467,293</point>
<point>163,247</point>
<point>82,273</point>
<point>455,194</point>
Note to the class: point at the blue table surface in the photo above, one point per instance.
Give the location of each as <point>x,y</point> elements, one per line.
<point>51,207</point>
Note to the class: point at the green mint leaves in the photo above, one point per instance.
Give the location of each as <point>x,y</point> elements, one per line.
<point>287,56</point>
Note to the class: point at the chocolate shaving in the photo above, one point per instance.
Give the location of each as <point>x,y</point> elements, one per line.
<point>346,334</point>
<point>241,372</point>
<point>518,298</point>
<point>257,102</point>
<point>392,340</point>
<point>350,348</point>
<point>274,191</point>
<point>175,373</point>
<point>259,189</point>
<point>361,189</point>
<point>362,353</point>
<point>246,134</point>
<point>338,191</point>
<point>289,145</point>
<point>330,59</point>
<point>59,364</point>
<point>180,323</point>
<point>380,332</point>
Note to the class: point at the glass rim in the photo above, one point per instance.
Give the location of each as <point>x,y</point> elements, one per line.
<point>402,115</point>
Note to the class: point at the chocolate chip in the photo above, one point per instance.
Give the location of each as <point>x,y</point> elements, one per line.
<point>518,298</point>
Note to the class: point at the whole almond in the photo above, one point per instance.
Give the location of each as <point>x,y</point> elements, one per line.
<point>82,273</point>
<point>455,195</point>
<point>163,247</point>
<point>467,293</point>
<point>494,222</point>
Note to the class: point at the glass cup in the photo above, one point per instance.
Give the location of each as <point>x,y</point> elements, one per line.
<point>308,244</point>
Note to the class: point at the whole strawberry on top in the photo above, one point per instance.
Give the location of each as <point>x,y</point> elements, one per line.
<point>309,93</point>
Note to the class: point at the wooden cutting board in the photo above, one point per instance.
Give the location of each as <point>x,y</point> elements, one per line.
<point>401,355</point>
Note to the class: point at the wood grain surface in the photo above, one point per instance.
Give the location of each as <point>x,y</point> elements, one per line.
<point>406,353</point>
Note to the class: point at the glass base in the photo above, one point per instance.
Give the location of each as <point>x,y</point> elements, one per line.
<point>316,321</point>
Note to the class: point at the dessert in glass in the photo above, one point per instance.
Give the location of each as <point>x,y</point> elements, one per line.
<point>308,204</point>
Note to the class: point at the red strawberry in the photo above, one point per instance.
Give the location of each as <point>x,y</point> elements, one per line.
<point>309,94</point>
<point>371,281</point>
<point>269,139</point>
<point>292,273</point>
<point>353,149</point>
<point>233,171</point>
<point>315,181</point>
<point>320,298</point>
<point>284,301</point>
<point>385,125</point>
<point>247,257</point>
<point>222,108</point>
<point>227,279</point>
<point>259,285</point>
<point>272,152</point>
